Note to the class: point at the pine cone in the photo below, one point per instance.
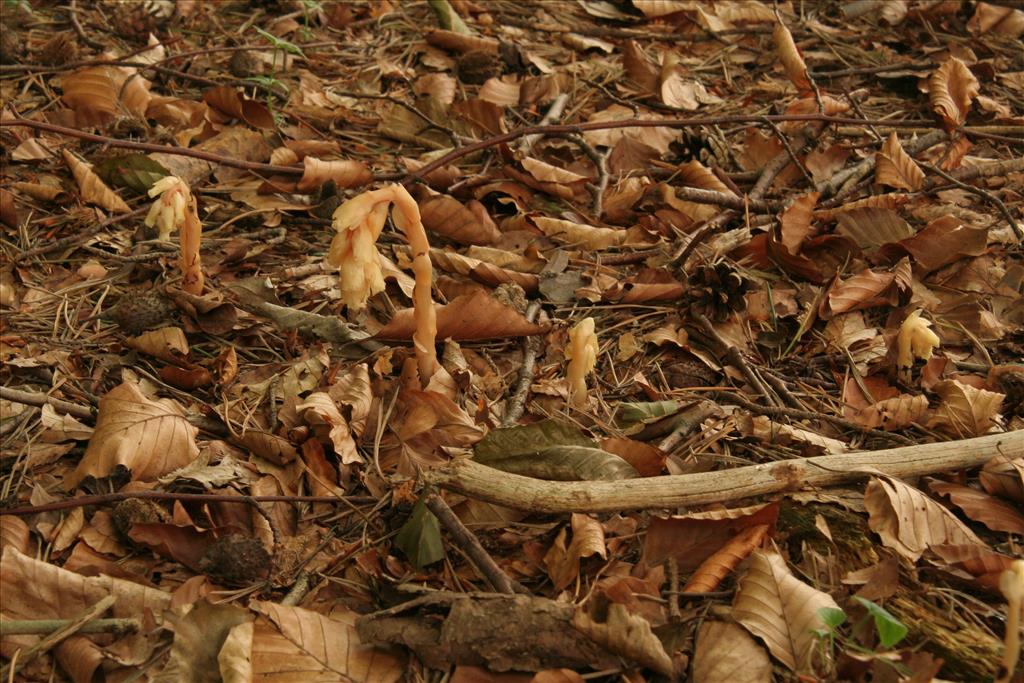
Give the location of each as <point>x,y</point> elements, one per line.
<point>135,20</point>
<point>58,50</point>
<point>136,313</point>
<point>716,291</point>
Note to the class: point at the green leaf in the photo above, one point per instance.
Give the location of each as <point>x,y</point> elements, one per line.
<point>550,450</point>
<point>638,414</point>
<point>890,629</point>
<point>833,617</point>
<point>420,537</point>
<point>137,172</point>
<point>280,43</point>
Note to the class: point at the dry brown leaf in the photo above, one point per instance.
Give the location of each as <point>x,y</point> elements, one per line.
<point>150,437</point>
<point>796,222</point>
<point>344,173</point>
<point>996,514</point>
<point>638,67</point>
<point>943,241</point>
<point>910,522</point>
<point>792,62</point>
<point>200,632</point>
<point>981,563</point>
<point>685,93</point>
<point>872,227</point>
<point>448,217</point>
<point>322,647</point>
<point>100,94</point>
<point>563,563</point>
<point>780,609</point>
<point>653,9</point>
<point>319,411</point>
<point>895,168</point>
<point>1003,20</point>
<point>692,538</point>
<point>657,138</point>
<point>867,289</point>
<point>500,91</point>
<point>952,88</point>
<point>233,104</point>
<point>647,459</point>
<point>713,570</point>
<point>964,410</point>
<point>267,445</point>
<point>166,343</point>
<point>547,173</point>
<point>472,316</point>
<point>893,413</point>
<point>627,635</point>
<point>92,189</point>
<point>33,589</point>
<point>579,234</point>
<point>1004,477</point>
<point>725,652</point>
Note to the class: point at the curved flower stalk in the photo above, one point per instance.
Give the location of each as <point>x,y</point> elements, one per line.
<point>176,210</point>
<point>359,222</point>
<point>582,355</point>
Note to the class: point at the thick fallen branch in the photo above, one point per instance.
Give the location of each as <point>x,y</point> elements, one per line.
<point>525,493</point>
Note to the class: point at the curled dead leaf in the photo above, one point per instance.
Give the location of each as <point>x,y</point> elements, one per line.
<point>792,62</point>
<point>895,168</point>
<point>92,189</point>
<point>150,437</point>
<point>780,609</point>
<point>910,522</point>
<point>952,88</point>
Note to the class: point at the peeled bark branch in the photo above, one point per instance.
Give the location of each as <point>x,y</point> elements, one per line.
<point>525,493</point>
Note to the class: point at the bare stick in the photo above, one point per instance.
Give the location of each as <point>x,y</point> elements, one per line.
<point>465,539</point>
<point>164,149</point>
<point>42,627</point>
<point>517,402</point>
<point>558,497</point>
<point>735,358</point>
<point>107,498</point>
<point>31,398</point>
<point>55,638</point>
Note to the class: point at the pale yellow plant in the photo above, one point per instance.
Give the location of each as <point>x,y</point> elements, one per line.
<point>358,223</point>
<point>168,212</point>
<point>175,209</point>
<point>915,340</point>
<point>582,356</point>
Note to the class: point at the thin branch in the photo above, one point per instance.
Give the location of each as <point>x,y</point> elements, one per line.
<point>666,492</point>
<point>465,539</point>
<point>31,398</point>
<point>107,498</point>
<point>55,638</point>
<point>164,149</point>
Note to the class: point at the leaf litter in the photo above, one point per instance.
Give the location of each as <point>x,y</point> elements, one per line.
<point>744,280</point>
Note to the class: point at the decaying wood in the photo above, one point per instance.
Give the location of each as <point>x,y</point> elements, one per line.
<point>525,493</point>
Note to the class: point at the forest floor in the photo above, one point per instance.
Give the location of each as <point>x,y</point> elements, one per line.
<point>503,341</point>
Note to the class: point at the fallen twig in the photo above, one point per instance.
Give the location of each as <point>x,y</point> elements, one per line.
<point>107,498</point>
<point>465,539</point>
<point>55,638</point>
<point>558,497</point>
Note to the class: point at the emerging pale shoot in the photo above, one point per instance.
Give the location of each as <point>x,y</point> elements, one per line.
<point>168,212</point>
<point>582,356</point>
<point>358,223</point>
<point>1011,583</point>
<point>915,340</point>
<point>175,209</point>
